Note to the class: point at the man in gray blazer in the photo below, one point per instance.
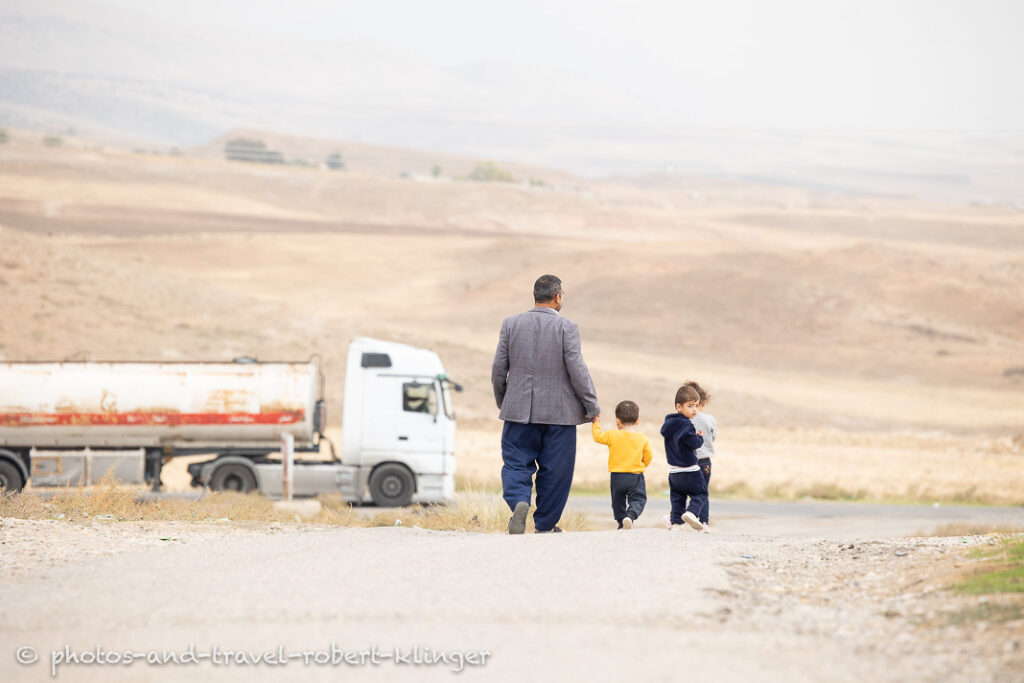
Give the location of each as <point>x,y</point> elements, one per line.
<point>544,390</point>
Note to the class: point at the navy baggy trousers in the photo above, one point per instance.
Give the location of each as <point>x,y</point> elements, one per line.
<point>629,495</point>
<point>550,452</point>
<point>683,485</point>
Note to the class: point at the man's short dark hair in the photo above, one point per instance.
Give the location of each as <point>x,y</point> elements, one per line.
<point>627,412</point>
<point>546,288</point>
<point>686,394</point>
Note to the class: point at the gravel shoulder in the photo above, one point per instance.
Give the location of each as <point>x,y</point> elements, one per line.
<point>603,605</point>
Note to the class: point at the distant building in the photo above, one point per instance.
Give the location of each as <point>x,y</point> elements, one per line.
<point>255,151</point>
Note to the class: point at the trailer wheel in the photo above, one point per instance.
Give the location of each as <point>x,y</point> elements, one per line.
<point>233,477</point>
<point>10,477</point>
<point>391,486</point>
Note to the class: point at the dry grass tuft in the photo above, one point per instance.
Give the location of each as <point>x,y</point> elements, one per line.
<point>974,529</point>
<point>110,500</point>
<point>475,510</point>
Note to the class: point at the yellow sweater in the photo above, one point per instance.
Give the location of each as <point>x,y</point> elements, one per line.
<point>628,451</point>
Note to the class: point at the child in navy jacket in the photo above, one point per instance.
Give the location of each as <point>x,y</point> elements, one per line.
<point>684,476</point>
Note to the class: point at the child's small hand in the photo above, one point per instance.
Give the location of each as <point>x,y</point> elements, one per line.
<point>700,432</point>
<point>596,418</point>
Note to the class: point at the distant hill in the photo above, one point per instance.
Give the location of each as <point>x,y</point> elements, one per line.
<point>380,160</point>
<point>95,65</point>
<point>799,307</point>
<point>119,74</point>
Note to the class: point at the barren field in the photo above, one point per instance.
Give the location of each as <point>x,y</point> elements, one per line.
<point>856,345</point>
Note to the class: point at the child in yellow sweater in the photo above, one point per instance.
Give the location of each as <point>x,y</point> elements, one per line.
<point>629,454</point>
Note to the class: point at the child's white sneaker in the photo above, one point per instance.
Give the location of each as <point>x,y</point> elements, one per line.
<point>692,520</point>
<point>706,529</point>
<point>627,523</point>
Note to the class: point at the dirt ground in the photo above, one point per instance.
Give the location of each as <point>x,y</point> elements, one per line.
<point>600,605</point>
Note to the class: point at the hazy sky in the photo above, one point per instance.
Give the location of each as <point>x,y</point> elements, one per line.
<point>798,64</point>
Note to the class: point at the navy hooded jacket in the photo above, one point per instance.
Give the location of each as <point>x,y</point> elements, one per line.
<point>681,440</point>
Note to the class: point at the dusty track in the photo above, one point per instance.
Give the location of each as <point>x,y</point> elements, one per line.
<point>605,605</point>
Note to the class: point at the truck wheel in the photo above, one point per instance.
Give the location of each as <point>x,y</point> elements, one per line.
<point>391,486</point>
<point>10,477</point>
<point>233,477</point>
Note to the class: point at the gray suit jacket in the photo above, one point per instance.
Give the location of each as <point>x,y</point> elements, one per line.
<point>538,373</point>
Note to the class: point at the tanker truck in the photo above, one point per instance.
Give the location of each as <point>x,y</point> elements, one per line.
<point>70,423</point>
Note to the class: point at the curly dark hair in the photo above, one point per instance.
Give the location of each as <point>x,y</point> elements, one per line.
<point>705,396</point>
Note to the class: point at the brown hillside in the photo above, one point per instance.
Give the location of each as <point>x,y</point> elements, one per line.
<point>138,256</point>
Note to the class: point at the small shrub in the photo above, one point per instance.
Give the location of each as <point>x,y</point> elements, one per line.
<point>488,171</point>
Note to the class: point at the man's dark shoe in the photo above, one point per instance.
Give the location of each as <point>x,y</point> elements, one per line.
<point>517,525</point>
<point>552,530</point>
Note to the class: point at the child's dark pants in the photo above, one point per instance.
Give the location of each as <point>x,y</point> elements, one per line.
<point>629,495</point>
<point>705,467</point>
<point>687,484</point>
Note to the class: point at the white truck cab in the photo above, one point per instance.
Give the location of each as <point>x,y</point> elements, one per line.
<point>398,434</point>
<point>398,422</point>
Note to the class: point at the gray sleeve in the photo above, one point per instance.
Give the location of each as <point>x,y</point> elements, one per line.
<point>579,375</point>
<point>709,443</point>
<point>499,368</point>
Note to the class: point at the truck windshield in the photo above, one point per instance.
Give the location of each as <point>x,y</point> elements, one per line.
<point>446,398</point>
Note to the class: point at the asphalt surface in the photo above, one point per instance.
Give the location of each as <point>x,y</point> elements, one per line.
<point>826,519</point>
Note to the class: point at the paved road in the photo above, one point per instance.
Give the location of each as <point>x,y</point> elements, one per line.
<point>824,519</point>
